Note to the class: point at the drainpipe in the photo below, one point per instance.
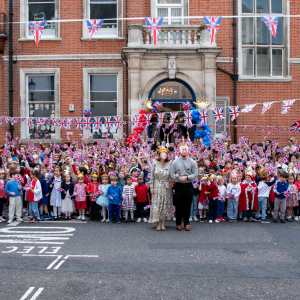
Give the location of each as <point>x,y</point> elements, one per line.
<point>233,75</point>
<point>10,68</point>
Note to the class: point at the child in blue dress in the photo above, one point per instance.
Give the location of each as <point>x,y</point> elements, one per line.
<point>103,199</point>
<point>46,193</point>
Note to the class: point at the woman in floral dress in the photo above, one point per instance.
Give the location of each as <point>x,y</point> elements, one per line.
<point>161,190</point>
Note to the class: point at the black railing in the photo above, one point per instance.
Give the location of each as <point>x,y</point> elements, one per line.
<point>3,24</point>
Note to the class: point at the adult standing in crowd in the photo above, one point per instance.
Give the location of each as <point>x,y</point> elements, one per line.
<point>161,190</point>
<point>183,171</point>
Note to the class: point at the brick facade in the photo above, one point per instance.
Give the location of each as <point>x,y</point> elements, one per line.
<point>71,90</point>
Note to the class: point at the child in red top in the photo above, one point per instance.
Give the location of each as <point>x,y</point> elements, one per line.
<point>91,190</point>
<point>2,192</point>
<point>297,208</point>
<point>142,199</point>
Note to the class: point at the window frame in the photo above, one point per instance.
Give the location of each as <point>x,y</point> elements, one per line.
<point>87,72</point>
<point>221,102</point>
<point>24,74</point>
<point>24,18</point>
<point>284,47</point>
<point>86,15</point>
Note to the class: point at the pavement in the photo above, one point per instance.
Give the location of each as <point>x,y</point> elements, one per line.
<point>95,260</point>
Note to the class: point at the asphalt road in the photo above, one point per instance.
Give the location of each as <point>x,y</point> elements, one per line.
<point>95,260</point>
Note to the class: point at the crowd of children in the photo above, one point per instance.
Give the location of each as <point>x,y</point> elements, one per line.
<point>108,181</point>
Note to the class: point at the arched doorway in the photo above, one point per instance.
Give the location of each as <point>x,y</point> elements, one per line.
<point>171,92</point>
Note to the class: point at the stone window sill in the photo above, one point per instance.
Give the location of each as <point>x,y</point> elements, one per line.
<point>42,39</point>
<point>266,79</point>
<point>107,38</point>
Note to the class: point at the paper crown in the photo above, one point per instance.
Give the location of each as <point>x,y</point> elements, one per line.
<point>80,175</point>
<point>95,175</point>
<point>163,150</point>
<point>148,105</point>
<point>202,104</point>
<point>249,171</point>
<point>111,165</point>
<point>104,175</point>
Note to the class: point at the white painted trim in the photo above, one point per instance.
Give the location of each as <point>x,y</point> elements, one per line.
<point>86,90</point>
<point>23,96</point>
<point>225,59</point>
<point>63,57</point>
<point>295,60</point>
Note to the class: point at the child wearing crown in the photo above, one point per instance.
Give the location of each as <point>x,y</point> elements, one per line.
<point>92,190</point>
<point>80,196</point>
<point>103,199</point>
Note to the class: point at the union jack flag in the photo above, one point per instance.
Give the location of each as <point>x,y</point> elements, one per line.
<point>154,26</point>
<point>245,127</point>
<point>263,128</point>
<point>61,123</point>
<point>148,119</point>
<point>203,116</point>
<point>254,127</point>
<point>218,114</point>
<point>173,116</point>
<point>176,134</point>
<point>87,123</point>
<point>272,23</point>
<point>187,119</point>
<point>285,159</point>
<point>37,28</point>
<point>97,123</point>
<point>234,112</point>
<point>78,123</point>
<point>286,105</point>
<point>93,26</point>
<point>160,118</point>
<point>13,121</point>
<point>295,127</point>
<point>297,166</point>
<point>186,105</point>
<point>118,122</point>
<point>30,122</point>
<point>287,194</point>
<point>266,106</point>
<point>108,123</point>
<point>135,120</point>
<point>280,129</point>
<point>212,24</point>
<point>67,124</point>
<point>158,105</point>
<point>248,108</point>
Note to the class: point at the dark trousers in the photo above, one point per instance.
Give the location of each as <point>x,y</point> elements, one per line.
<point>114,208</point>
<point>1,205</point>
<point>213,209</point>
<point>140,209</point>
<point>248,213</point>
<point>183,198</point>
<point>297,210</point>
<point>94,209</point>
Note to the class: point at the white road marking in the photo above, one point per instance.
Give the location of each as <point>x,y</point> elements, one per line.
<point>59,264</point>
<point>67,256</point>
<point>28,242</point>
<point>20,230</point>
<point>37,293</point>
<point>13,224</point>
<point>27,293</point>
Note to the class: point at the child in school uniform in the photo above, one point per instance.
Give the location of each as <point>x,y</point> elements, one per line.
<point>68,204</point>
<point>142,199</point>
<point>55,196</point>
<point>114,194</point>
<point>128,199</point>
<point>103,199</point>
<point>46,193</point>
<point>91,190</point>
<point>221,198</point>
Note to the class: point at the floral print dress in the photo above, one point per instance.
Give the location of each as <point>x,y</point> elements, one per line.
<point>293,199</point>
<point>162,199</point>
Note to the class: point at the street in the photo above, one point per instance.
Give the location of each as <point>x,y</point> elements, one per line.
<point>95,260</point>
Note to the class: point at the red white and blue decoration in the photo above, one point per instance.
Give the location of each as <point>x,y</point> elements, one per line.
<point>272,23</point>
<point>248,108</point>
<point>118,122</point>
<point>286,105</point>
<point>266,106</point>
<point>173,116</point>
<point>296,127</point>
<point>234,112</point>
<point>186,105</point>
<point>87,113</point>
<point>218,114</point>
<point>158,105</point>
<point>37,28</point>
<point>213,24</point>
<point>154,26</point>
<point>160,118</point>
<point>97,123</point>
<point>188,118</point>
<point>93,26</point>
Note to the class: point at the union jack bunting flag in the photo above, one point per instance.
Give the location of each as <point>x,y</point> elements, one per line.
<point>272,23</point>
<point>245,127</point>
<point>263,128</point>
<point>55,122</point>
<point>68,123</point>
<point>213,24</point>
<point>78,123</point>
<point>93,26</point>
<point>272,128</point>
<point>248,108</point>
<point>186,105</point>
<point>118,122</point>
<point>187,119</point>
<point>13,121</point>
<point>295,127</point>
<point>97,123</point>
<point>286,105</point>
<point>160,118</point>
<point>148,119</point>
<point>37,28</point>
<point>218,114</point>
<point>203,116</point>
<point>158,105</point>
<point>61,123</point>
<point>254,127</point>
<point>30,123</point>
<point>108,123</point>
<point>224,133</point>
<point>266,106</point>
<point>219,126</point>
<point>135,120</point>
<point>173,116</point>
<point>280,129</point>
<point>234,112</point>
<point>154,26</point>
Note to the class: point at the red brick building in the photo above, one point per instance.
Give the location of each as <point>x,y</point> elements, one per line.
<point>115,71</point>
